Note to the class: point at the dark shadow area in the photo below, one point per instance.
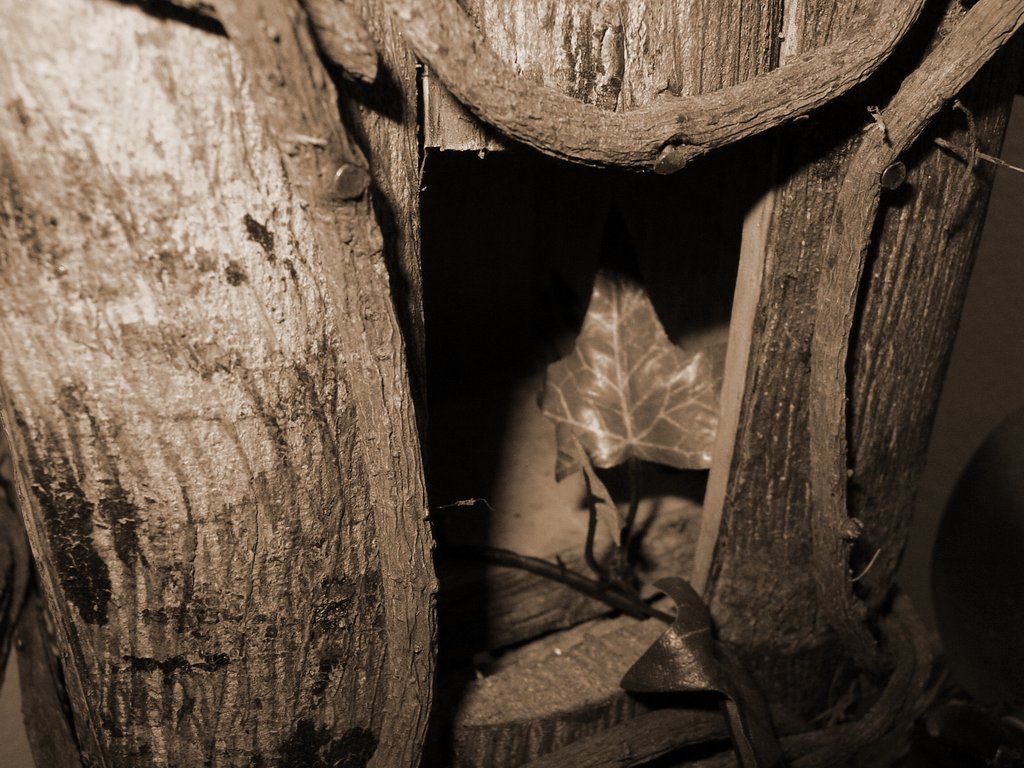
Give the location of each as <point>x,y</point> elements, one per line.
<point>200,15</point>
<point>511,244</point>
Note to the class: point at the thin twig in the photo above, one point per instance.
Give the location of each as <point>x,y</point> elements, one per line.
<point>868,567</point>
<point>607,594</point>
<point>965,155</point>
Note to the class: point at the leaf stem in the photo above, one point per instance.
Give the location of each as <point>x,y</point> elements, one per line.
<point>607,594</point>
<point>588,548</point>
<point>635,480</point>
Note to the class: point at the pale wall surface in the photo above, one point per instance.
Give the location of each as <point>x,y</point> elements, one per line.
<point>986,375</point>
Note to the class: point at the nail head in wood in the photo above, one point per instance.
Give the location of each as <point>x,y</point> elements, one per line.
<point>894,175</point>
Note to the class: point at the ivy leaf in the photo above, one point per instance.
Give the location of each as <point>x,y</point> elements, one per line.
<point>688,658</point>
<point>626,391</point>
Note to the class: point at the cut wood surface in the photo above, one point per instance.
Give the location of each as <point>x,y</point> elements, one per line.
<point>521,606</point>
<point>550,693</point>
<point>639,740</point>
<point>205,388</point>
<point>877,736</point>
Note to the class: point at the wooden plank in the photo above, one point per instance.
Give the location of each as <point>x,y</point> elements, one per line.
<point>205,388</point>
<point>450,126</point>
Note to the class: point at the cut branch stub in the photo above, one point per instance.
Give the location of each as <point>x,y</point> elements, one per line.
<point>662,136</point>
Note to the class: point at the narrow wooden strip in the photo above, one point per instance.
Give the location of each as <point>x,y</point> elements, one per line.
<point>753,248</point>
<point>551,693</point>
<point>662,136</point>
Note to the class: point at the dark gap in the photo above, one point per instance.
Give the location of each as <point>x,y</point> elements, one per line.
<point>196,14</point>
<point>511,243</point>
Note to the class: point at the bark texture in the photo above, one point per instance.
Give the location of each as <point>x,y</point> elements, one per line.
<point>204,383</point>
<point>762,587</point>
<point>665,134</point>
<point>384,118</point>
<point>615,56</point>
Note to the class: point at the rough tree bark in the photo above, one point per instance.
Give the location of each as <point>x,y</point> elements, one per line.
<point>205,387</point>
<point>762,583</point>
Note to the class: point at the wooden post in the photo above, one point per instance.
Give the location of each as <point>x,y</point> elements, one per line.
<point>205,387</point>
<point>761,581</point>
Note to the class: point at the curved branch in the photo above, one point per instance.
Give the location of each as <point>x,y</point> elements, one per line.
<point>944,72</point>
<point>662,136</point>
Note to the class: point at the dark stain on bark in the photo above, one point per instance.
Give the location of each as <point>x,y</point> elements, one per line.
<point>211,662</point>
<point>17,108</point>
<point>344,593</point>
<point>311,746</point>
<point>67,518</point>
<point>168,263</point>
<point>576,43</point>
<point>123,517</point>
<point>16,215</point>
<point>260,235</point>
<point>205,260</point>
<point>326,666</point>
<point>235,273</point>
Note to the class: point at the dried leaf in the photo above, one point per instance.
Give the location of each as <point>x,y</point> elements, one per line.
<point>687,658</point>
<point>627,391</point>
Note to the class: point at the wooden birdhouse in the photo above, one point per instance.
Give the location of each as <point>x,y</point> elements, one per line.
<point>366,366</point>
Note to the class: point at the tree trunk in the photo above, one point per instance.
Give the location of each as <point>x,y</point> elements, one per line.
<point>761,584</point>
<point>205,388</point>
